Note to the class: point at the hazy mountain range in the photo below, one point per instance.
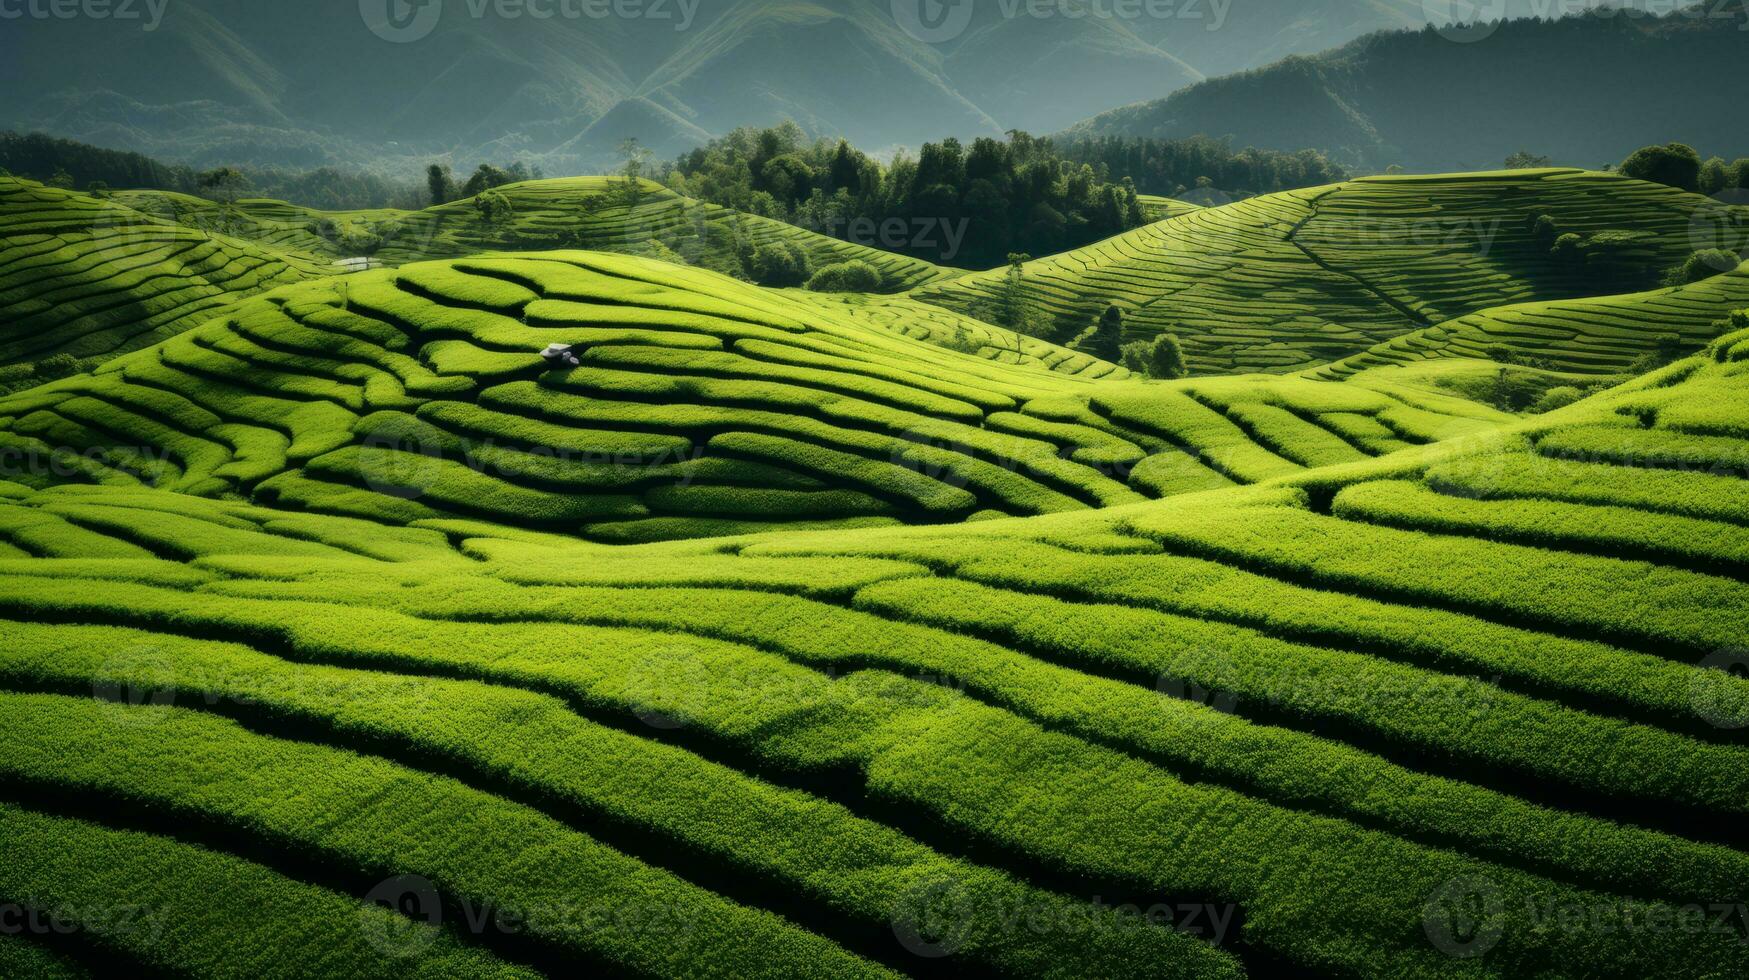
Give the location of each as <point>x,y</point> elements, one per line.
<point>388,83</point>
<point>1584,90</point>
<point>309,83</point>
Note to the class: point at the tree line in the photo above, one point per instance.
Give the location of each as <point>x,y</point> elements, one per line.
<point>951,203</point>
<point>1175,168</point>
<point>79,166</point>
<point>1679,165</point>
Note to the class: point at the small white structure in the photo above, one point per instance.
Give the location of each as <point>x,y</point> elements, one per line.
<point>557,354</point>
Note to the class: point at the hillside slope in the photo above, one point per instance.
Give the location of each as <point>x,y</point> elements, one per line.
<point>699,406</point>
<point>1288,281</point>
<point>91,278</point>
<point>95,277</point>
<point>1601,335</point>
<point>562,212</point>
<point>1318,724</point>
<point>1584,90</point>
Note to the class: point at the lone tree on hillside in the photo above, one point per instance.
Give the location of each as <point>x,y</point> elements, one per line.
<point>1011,307</point>
<point>1674,164</point>
<point>495,210</point>
<point>441,184</point>
<point>1166,358</point>
<point>1104,339</point>
<point>225,183</point>
<point>779,264</point>
<point>637,159</point>
<point>1161,358</point>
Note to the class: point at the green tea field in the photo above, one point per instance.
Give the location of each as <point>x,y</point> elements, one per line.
<point>94,277</point>
<point>1290,281</point>
<point>542,598</point>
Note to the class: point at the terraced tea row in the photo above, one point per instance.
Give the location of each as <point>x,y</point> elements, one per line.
<point>1372,690</point>
<point>598,213</point>
<point>1604,335</point>
<point>695,406</point>
<point>93,277</point>
<point>89,278</point>
<point>1289,281</point>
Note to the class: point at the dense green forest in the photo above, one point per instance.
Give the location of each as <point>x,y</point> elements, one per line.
<point>951,203</point>
<point>974,205</point>
<point>1174,167</point>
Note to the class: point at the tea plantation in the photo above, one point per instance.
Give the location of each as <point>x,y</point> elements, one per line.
<point>1294,280</point>
<point>521,609</point>
<point>93,277</point>
<point>697,406</point>
<point>88,278</point>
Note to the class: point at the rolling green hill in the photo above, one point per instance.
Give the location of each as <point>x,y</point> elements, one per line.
<point>1601,335</point>
<point>1279,283</point>
<point>770,633</point>
<point>699,406</point>
<point>569,212</point>
<point>95,277</point>
<point>91,278</point>
<point>1294,280</point>
<point>1438,672</point>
